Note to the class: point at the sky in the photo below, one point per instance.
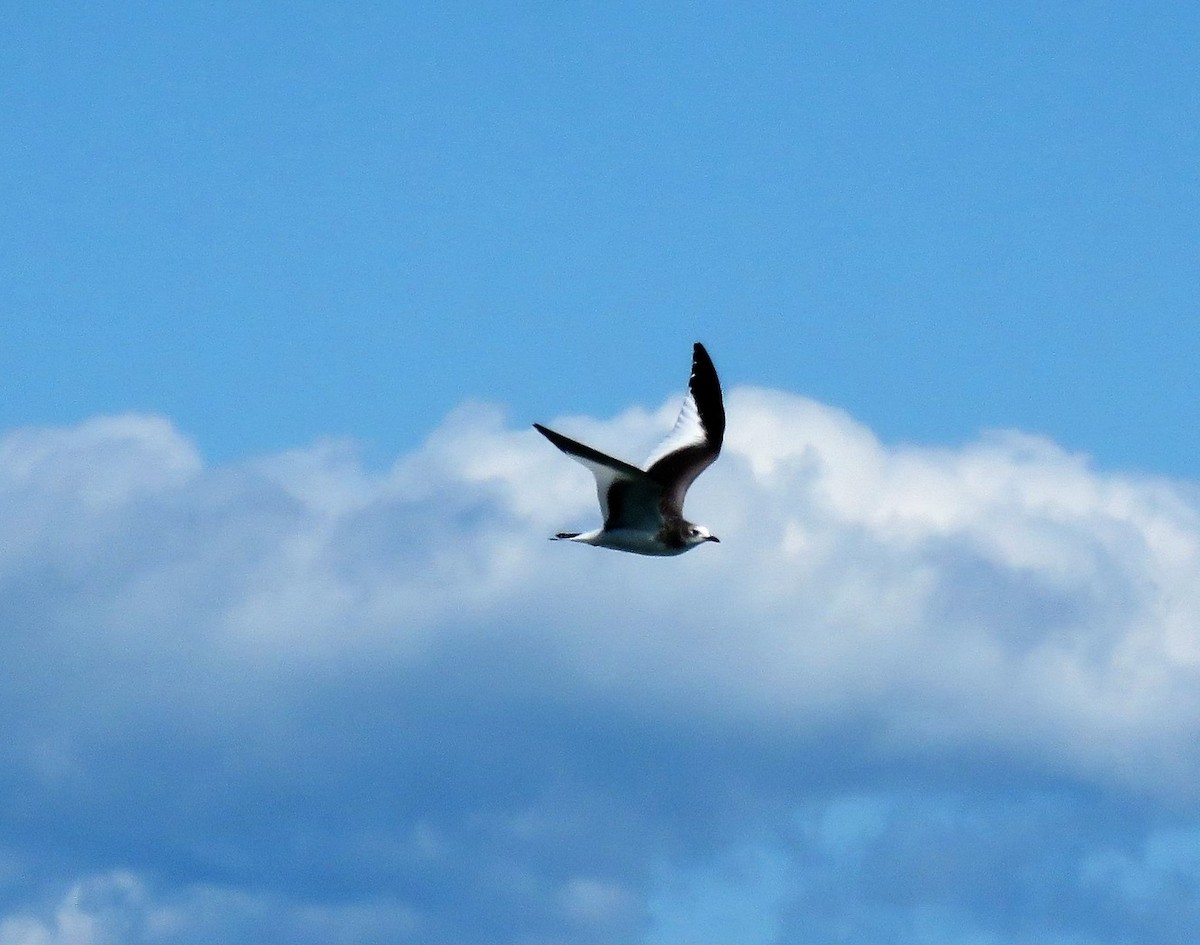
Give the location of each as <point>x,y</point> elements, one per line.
<point>285,656</point>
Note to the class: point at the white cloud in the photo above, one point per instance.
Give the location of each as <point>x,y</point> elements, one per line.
<point>1003,590</point>
<point>297,653</point>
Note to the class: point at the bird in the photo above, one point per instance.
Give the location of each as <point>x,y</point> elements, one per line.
<point>643,508</point>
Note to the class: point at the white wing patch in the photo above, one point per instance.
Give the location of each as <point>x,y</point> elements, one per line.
<point>688,431</point>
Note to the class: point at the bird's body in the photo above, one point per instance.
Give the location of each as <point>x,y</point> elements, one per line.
<point>629,539</point>
<point>643,508</point>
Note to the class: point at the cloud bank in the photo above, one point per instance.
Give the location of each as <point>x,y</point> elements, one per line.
<point>915,696</point>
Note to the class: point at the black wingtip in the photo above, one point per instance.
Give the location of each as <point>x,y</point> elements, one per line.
<point>701,360</point>
<point>706,388</point>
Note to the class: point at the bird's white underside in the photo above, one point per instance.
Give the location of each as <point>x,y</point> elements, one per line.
<point>628,539</point>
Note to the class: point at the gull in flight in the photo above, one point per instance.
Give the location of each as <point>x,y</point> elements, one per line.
<point>643,508</point>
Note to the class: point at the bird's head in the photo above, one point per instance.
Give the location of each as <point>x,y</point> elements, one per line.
<point>697,535</point>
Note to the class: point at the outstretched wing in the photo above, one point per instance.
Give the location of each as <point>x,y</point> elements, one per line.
<point>629,497</point>
<point>695,440</point>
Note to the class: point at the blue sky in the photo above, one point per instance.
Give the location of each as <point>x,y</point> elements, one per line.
<point>275,225</point>
<point>285,654</point>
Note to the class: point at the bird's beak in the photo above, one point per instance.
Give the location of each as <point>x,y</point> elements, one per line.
<point>713,538</point>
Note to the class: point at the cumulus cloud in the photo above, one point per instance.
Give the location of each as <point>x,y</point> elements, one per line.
<point>299,695</point>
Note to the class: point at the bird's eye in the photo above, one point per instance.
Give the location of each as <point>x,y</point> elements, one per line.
<point>695,531</point>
